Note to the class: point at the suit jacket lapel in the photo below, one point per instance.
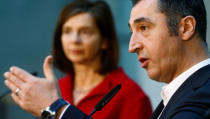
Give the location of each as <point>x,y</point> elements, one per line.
<point>195,81</point>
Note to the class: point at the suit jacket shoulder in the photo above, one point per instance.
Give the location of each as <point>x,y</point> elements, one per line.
<point>192,99</point>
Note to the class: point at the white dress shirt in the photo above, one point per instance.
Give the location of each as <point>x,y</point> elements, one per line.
<point>169,89</point>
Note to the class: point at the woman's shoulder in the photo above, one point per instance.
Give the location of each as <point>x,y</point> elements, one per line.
<point>65,79</point>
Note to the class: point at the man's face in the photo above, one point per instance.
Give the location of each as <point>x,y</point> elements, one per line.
<point>157,50</point>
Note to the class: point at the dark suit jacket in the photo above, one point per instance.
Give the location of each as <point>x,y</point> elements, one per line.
<point>74,113</point>
<point>191,100</point>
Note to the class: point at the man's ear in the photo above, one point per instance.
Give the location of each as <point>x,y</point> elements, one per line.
<point>187,27</point>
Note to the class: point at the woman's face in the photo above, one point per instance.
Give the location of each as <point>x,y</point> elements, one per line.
<point>81,39</point>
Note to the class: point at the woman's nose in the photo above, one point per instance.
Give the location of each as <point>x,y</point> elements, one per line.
<point>75,37</point>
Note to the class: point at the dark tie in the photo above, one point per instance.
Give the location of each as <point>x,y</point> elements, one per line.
<point>157,111</point>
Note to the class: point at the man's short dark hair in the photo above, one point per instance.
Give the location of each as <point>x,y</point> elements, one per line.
<point>101,13</point>
<point>177,9</point>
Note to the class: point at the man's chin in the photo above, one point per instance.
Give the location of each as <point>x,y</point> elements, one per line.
<point>155,78</point>
<point>152,75</point>
<point>161,80</point>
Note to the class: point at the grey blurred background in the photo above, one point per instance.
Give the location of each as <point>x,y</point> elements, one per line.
<point>26,33</point>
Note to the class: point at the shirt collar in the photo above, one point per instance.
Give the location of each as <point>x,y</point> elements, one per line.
<point>169,89</point>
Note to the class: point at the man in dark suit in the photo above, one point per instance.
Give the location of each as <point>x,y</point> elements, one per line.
<point>169,37</point>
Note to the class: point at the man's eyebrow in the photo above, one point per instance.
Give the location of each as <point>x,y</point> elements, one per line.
<point>141,19</point>
<point>138,20</point>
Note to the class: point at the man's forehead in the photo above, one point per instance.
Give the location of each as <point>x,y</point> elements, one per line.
<point>141,9</point>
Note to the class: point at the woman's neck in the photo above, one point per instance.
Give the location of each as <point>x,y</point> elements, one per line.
<point>86,78</point>
<point>87,75</point>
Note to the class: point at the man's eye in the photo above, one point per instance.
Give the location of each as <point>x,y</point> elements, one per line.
<point>131,33</point>
<point>143,28</point>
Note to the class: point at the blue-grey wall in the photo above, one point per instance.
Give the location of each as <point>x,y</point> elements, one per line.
<point>26,32</point>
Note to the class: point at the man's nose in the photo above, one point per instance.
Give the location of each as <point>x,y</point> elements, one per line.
<point>134,45</point>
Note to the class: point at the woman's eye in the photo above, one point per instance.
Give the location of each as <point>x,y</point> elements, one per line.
<point>86,32</point>
<point>66,31</point>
